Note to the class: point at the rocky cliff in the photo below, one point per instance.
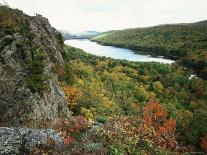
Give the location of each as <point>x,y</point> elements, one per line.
<point>29,90</point>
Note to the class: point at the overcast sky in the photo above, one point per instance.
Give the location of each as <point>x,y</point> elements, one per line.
<point>102,15</point>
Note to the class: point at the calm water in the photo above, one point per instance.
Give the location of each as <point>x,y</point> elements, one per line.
<point>113,52</point>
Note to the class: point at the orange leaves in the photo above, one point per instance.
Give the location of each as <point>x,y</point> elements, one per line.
<point>148,120</point>
<point>154,128</point>
<point>160,113</point>
<point>154,113</point>
<point>161,128</point>
<point>170,125</point>
<point>73,95</point>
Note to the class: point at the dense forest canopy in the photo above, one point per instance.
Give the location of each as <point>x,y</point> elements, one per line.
<point>115,92</point>
<point>187,42</point>
<point>119,107</point>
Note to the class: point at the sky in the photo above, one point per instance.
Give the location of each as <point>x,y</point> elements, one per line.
<point>104,15</point>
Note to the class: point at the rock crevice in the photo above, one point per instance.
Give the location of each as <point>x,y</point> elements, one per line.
<point>19,105</point>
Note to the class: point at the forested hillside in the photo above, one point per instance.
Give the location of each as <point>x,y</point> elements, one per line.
<point>56,99</point>
<point>136,107</point>
<point>181,41</point>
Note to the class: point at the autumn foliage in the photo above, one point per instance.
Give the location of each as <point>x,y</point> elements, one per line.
<point>160,129</point>
<point>152,129</point>
<point>60,71</point>
<point>73,95</point>
<point>203,143</point>
<point>71,128</point>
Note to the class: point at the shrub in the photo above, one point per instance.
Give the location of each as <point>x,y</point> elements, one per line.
<point>36,79</point>
<point>87,113</point>
<point>65,73</point>
<point>152,130</point>
<point>92,147</point>
<point>60,71</point>
<point>13,20</point>
<point>73,95</point>
<point>72,128</point>
<point>116,150</point>
<point>61,39</point>
<point>69,76</point>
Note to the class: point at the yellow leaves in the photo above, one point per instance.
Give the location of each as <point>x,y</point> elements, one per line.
<point>145,77</point>
<point>102,65</point>
<point>80,82</point>
<point>81,69</point>
<point>106,103</point>
<point>87,113</point>
<point>125,69</point>
<point>158,86</point>
<point>73,95</point>
<point>144,93</point>
<point>120,76</point>
<point>106,107</point>
<point>95,87</point>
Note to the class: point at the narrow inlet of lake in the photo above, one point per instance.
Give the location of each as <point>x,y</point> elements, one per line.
<point>113,52</point>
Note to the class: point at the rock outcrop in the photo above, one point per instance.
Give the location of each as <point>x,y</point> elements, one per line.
<point>20,106</point>
<point>23,140</point>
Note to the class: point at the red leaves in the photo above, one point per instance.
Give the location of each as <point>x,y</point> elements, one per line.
<point>203,143</point>
<point>68,140</point>
<point>69,128</point>
<point>59,70</point>
<point>155,129</point>
<point>155,118</point>
<point>153,113</point>
<point>148,120</point>
<point>170,125</point>
<point>162,130</point>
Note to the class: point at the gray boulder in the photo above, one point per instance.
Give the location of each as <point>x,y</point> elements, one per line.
<point>22,140</point>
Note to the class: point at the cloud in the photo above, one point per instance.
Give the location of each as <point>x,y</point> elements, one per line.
<point>101,15</point>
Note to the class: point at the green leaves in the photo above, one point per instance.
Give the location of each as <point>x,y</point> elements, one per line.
<point>198,127</point>
<point>36,79</point>
<point>121,88</point>
<point>158,87</point>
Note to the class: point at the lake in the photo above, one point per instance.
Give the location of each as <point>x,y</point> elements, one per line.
<point>113,52</point>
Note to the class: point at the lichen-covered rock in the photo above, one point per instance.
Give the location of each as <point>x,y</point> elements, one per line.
<point>21,140</point>
<point>48,37</point>
<point>20,106</point>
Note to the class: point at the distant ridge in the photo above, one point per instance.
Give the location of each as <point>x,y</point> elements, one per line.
<point>81,35</point>
<point>184,41</point>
